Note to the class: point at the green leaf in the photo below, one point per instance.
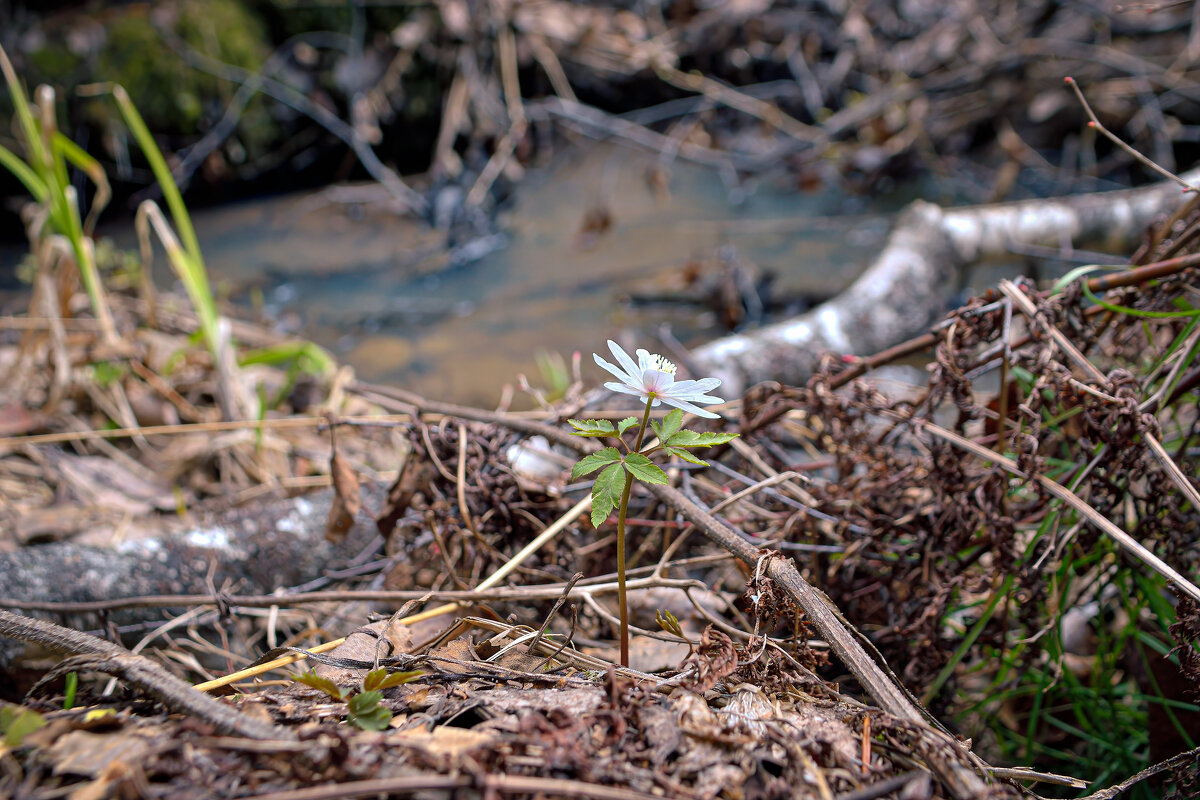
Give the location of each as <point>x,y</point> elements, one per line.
<point>626,424</point>
<point>366,713</point>
<point>685,455</point>
<point>592,427</point>
<point>380,679</point>
<point>594,461</point>
<point>325,685</point>
<point>644,469</point>
<point>606,492</point>
<point>670,425</point>
<point>373,678</point>
<point>694,439</point>
<point>17,722</point>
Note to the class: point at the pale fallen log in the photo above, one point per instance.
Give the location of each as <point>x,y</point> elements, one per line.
<point>909,286</point>
<point>279,543</point>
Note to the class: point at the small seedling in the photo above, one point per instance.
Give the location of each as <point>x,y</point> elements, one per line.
<point>71,689</point>
<point>363,709</point>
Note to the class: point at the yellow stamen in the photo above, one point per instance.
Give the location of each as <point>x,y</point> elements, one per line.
<point>661,364</point>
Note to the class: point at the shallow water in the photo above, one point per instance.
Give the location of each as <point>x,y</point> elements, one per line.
<point>379,293</point>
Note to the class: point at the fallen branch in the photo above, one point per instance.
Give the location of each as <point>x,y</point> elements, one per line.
<point>97,654</point>
<point>962,780</point>
<point>907,288</point>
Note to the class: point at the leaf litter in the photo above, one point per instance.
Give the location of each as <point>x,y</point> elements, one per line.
<point>897,526</point>
<point>959,567</point>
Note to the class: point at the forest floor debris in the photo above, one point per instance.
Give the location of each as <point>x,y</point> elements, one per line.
<point>968,577</point>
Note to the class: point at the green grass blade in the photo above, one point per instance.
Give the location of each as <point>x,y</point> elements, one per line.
<point>75,155</point>
<point>162,173</point>
<point>967,642</point>
<point>24,173</point>
<point>191,273</point>
<point>29,127</point>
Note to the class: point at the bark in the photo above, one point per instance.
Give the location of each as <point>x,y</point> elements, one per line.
<point>279,543</point>
<point>909,286</point>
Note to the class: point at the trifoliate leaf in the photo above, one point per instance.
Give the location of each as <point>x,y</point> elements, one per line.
<point>669,426</point>
<point>592,427</point>
<point>685,455</point>
<point>644,469</point>
<point>366,713</point>
<point>626,424</point>
<point>606,492</point>
<point>594,461</point>
<point>694,439</point>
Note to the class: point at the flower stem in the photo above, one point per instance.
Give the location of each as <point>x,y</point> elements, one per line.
<point>622,599</point>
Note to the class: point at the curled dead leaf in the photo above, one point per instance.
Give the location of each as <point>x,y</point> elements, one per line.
<point>347,500</point>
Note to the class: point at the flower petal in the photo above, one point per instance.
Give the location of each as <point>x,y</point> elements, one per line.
<point>658,382</point>
<point>694,389</point>
<point>644,359</point>
<point>688,407</point>
<point>693,398</point>
<point>631,369</point>
<point>616,372</point>
<point>702,386</point>
<point>625,388</point>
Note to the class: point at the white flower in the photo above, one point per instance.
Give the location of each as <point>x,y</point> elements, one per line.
<point>654,377</point>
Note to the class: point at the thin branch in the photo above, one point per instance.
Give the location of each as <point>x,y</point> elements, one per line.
<point>1095,123</point>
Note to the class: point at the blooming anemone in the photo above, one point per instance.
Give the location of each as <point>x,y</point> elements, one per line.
<point>653,377</point>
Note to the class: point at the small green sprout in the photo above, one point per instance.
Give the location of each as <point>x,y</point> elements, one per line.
<point>363,709</point>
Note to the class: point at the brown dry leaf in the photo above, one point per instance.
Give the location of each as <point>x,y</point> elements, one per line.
<point>148,406</point>
<point>445,741</point>
<point>659,727</point>
<point>415,476</point>
<point>339,523</point>
<point>826,731</point>
<point>52,524</point>
<point>748,712</point>
<point>713,660</point>
<point>108,783</point>
<point>104,482</point>
<point>360,646</point>
<point>457,649</point>
<point>89,754</point>
<point>17,421</point>
<point>708,754</point>
<point>347,500</point>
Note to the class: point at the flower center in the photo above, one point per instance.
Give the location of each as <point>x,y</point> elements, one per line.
<point>661,364</point>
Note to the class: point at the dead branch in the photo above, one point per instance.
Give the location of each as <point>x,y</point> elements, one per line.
<point>908,287</point>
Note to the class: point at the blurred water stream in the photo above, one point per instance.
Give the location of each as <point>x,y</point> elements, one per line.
<point>380,293</point>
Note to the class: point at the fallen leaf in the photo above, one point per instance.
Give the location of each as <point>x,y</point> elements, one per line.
<point>347,499</point>
<point>89,754</point>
